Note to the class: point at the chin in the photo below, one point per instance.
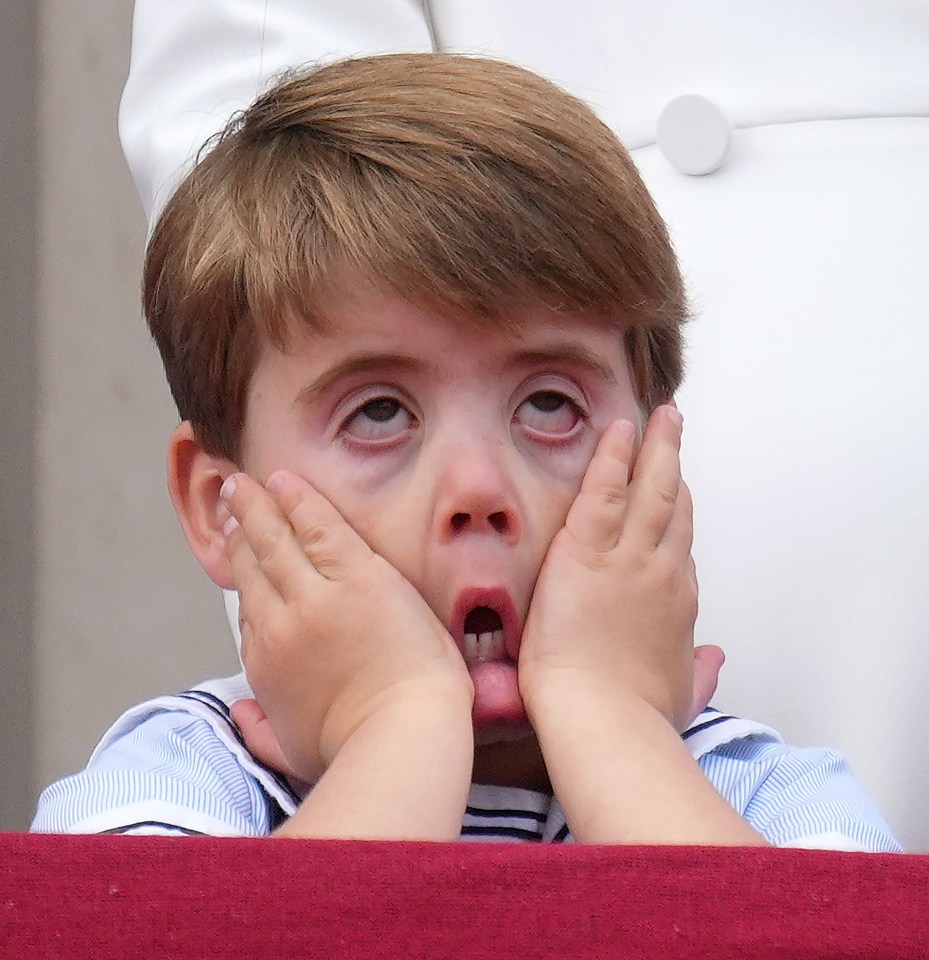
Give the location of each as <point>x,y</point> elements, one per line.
<point>502,731</point>
<point>508,755</point>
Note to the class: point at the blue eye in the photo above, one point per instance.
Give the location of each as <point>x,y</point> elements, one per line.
<point>382,418</point>
<point>551,413</point>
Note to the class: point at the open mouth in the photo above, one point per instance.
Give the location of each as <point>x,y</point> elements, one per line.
<point>483,636</point>
<point>485,625</point>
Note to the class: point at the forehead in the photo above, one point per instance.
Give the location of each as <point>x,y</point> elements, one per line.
<point>366,320</point>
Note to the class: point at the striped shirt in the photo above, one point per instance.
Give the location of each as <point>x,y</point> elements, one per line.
<point>178,765</point>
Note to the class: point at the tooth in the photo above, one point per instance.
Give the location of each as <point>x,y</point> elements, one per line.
<point>497,645</point>
<point>470,647</point>
<point>485,646</point>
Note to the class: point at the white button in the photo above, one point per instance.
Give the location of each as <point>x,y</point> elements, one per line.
<point>694,134</point>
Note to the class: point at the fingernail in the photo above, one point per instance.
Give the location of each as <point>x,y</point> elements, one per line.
<point>229,526</point>
<point>228,488</point>
<point>275,482</point>
<point>626,429</point>
<point>675,415</point>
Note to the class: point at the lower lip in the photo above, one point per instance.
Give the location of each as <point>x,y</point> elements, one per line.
<point>496,697</point>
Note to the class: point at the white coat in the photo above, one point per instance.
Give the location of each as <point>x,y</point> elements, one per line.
<point>805,243</point>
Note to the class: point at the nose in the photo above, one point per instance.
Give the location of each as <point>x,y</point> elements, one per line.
<point>476,492</point>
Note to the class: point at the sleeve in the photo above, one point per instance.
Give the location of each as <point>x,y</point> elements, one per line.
<point>798,797</point>
<point>195,64</point>
<point>171,774</point>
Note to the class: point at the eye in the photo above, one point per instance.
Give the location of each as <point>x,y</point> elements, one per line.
<point>377,420</point>
<point>550,413</point>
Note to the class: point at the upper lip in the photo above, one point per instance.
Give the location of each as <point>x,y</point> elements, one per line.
<point>496,598</point>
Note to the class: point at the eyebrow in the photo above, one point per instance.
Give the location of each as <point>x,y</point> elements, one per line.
<point>356,363</point>
<point>366,362</point>
<point>566,353</point>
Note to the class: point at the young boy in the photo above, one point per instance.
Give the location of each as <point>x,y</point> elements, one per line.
<point>415,312</point>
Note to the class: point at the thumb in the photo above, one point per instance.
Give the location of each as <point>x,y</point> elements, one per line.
<point>260,739</point>
<point>708,661</point>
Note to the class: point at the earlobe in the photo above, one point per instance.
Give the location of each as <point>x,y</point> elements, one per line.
<point>194,480</point>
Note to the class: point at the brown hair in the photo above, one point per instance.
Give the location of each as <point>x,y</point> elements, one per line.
<point>464,180</point>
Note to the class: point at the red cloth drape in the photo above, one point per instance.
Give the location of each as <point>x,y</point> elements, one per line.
<point>139,897</point>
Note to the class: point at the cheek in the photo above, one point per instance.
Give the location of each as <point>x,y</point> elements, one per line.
<point>556,477</point>
<point>382,515</point>
<point>549,501</point>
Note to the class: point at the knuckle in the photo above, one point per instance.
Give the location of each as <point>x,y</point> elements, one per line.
<point>613,495</point>
<point>673,575</point>
<point>266,640</point>
<point>667,496</point>
<point>318,543</point>
<point>266,546</point>
<point>315,537</point>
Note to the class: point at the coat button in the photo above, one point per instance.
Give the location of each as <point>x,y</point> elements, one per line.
<point>694,134</point>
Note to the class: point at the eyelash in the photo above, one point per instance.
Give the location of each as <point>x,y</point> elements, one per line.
<point>540,434</point>
<point>375,442</point>
<point>576,408</point>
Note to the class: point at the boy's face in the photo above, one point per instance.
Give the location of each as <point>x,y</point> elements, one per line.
<point>454,451</point>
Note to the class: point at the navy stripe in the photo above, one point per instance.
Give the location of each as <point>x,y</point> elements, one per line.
<point>281,781</point>
<point>210,702</point>
<point>221,709</point>
<point>469,831</point>
<point>154,823</point>
<point>195,693</point>
<point>276,813</point>
<point>522,814</point>
<point>562,835</point>
<point>687,734</point>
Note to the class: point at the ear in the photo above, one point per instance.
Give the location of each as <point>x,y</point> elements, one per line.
<point>194,481</point>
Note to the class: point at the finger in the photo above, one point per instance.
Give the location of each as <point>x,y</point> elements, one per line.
<point>260,605</point>
<point>596,516</point>
<point>656,480</point>
<point>260,739</point>
<point>708,661</point>
<point>322,533</point>
<point>680,533</point>
<point>269,537</point>
<point>257,597</point>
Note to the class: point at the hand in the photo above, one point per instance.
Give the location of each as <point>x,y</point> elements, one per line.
<point>262,742</point>
<point>615,603</point>
<point>332,634</point>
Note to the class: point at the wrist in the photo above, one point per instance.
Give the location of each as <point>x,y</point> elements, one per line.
<point>622,693</point>
<point>623,774</point>
<point>403,773</point>
<point>414,708</point>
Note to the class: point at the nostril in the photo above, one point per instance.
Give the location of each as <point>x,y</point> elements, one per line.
<point>499,522</point>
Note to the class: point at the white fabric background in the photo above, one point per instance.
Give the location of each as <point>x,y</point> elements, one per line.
<point>806,440</point>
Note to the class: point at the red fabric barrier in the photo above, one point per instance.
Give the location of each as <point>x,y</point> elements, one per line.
<point>138,897</point>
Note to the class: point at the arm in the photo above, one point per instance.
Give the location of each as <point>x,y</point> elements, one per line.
<point>194,64</point>
<point>362,684</point>
<point>262,742</point>
<point>619,582</point>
